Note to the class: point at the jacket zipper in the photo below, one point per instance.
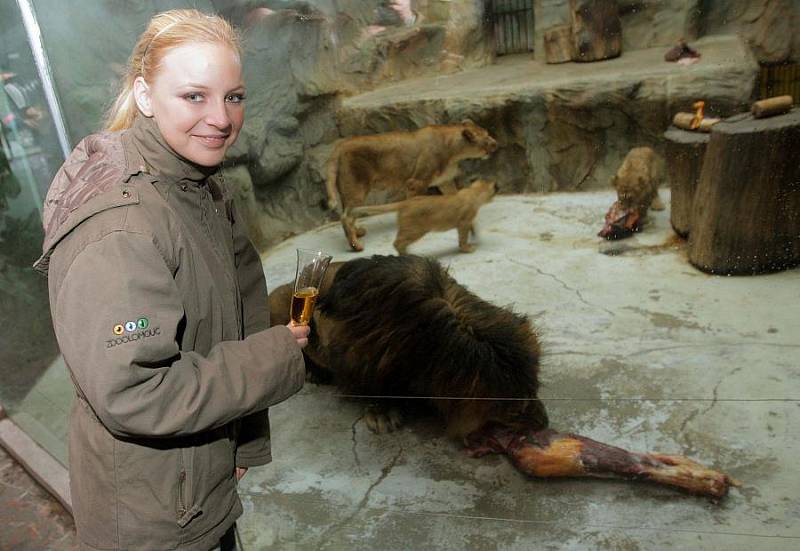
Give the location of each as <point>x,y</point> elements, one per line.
<point>212,224</point>
<point>181,496</point>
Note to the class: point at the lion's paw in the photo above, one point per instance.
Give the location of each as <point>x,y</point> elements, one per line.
<point>380,420</point>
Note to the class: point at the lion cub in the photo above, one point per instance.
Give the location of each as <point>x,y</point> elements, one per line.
<point>426,213</point>
<point>636,182</point>
<point>638,178</point>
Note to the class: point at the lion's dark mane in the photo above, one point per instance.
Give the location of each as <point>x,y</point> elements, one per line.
<point>403,326</point>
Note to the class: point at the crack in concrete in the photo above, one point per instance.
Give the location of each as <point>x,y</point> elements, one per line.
<point>567,287</point>
<point>695,414</point>
<point>385,471</point>
<point>354,439</point>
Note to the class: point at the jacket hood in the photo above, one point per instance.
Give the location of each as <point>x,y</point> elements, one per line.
<point>94,178</point>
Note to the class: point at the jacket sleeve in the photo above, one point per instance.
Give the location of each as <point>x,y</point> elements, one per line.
<point>253,446</point>
<point>117,317</point>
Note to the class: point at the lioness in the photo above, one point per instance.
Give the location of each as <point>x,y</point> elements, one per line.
<point>419,215</point>
<point>409,161</point>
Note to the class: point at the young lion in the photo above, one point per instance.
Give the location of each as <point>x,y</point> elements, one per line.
<point>407,161</point>
<point>426,213</point>
<point>636,182</point>
<point>638,178</point>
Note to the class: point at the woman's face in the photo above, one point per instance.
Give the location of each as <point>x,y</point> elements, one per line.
<point>196,99</point>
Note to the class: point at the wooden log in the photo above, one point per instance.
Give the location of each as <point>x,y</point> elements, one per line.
<point>685,151</point>
<point>558,47</point>
<point>771,106</point>
<point>547,453</point>
<point>596,29</point>
<point>686,121</point>
<point>746,212</point>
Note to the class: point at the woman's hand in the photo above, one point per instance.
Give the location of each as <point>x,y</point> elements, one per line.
<point>240,471</point>
<point>300,333</point>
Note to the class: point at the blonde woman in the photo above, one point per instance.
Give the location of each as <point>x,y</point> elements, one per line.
<point>159,302</point>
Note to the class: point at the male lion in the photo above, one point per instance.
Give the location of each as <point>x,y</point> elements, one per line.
<point>419,215</point>
<point>401,326</point>
<point>406,161</point>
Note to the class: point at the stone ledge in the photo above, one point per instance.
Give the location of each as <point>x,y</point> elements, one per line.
<point>563,127</point>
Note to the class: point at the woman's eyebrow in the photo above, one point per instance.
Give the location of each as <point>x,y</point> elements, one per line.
<point>193,85</point>
<point>204,87</point>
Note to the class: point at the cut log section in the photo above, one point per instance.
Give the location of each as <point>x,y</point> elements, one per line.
<point>771,106</point>
<point>746,211</point>
<point>596,29</point>
<point>685,151</point>
<point>547,453</point>
<point>689,121</point>
<point>558,46</point>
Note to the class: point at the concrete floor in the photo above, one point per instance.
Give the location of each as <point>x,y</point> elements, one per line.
<point>640,350</point>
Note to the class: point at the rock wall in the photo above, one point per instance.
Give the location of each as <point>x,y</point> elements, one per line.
<point>569,138</point>
<point>563,127</point>
<point>304,58</point>
<point>766,25</point>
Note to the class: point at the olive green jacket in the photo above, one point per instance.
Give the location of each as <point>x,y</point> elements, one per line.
<point>159,305</point>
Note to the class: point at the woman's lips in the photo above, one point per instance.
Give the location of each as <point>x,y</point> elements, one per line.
<point>213,142</point>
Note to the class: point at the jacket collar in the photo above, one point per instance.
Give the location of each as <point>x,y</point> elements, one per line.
<point>149,152</point>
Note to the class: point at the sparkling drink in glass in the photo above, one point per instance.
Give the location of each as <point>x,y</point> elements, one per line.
<point>311,266</point>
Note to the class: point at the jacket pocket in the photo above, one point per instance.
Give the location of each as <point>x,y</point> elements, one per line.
<point>187,509</point>
<point>214,481</point>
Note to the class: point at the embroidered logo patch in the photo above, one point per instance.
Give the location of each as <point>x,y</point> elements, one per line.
<point>130,331</point>
<point>131,326</point>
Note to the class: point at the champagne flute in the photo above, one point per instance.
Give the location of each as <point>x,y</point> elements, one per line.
<point>311,266</point>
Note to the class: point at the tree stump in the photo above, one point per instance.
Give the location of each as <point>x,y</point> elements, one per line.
<point>746,213</point>
<point>558,44</point>
<point>596,29</point>
<point>685,150</point>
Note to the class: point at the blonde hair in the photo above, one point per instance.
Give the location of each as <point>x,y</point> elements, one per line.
<point>165,31</point>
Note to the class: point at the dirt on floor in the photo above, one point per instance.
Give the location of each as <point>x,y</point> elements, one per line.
<point>30,517</point>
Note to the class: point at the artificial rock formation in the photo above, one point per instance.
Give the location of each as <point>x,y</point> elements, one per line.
<point>314,67</point>
<point>596,29</point>
<point>562,127</point>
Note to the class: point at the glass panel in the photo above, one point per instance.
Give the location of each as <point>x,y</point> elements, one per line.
<point>88,44</point>
<point>648,341</point>
<point>36,396</point>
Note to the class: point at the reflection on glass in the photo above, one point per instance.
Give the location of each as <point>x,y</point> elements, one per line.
<point>29,156</point>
